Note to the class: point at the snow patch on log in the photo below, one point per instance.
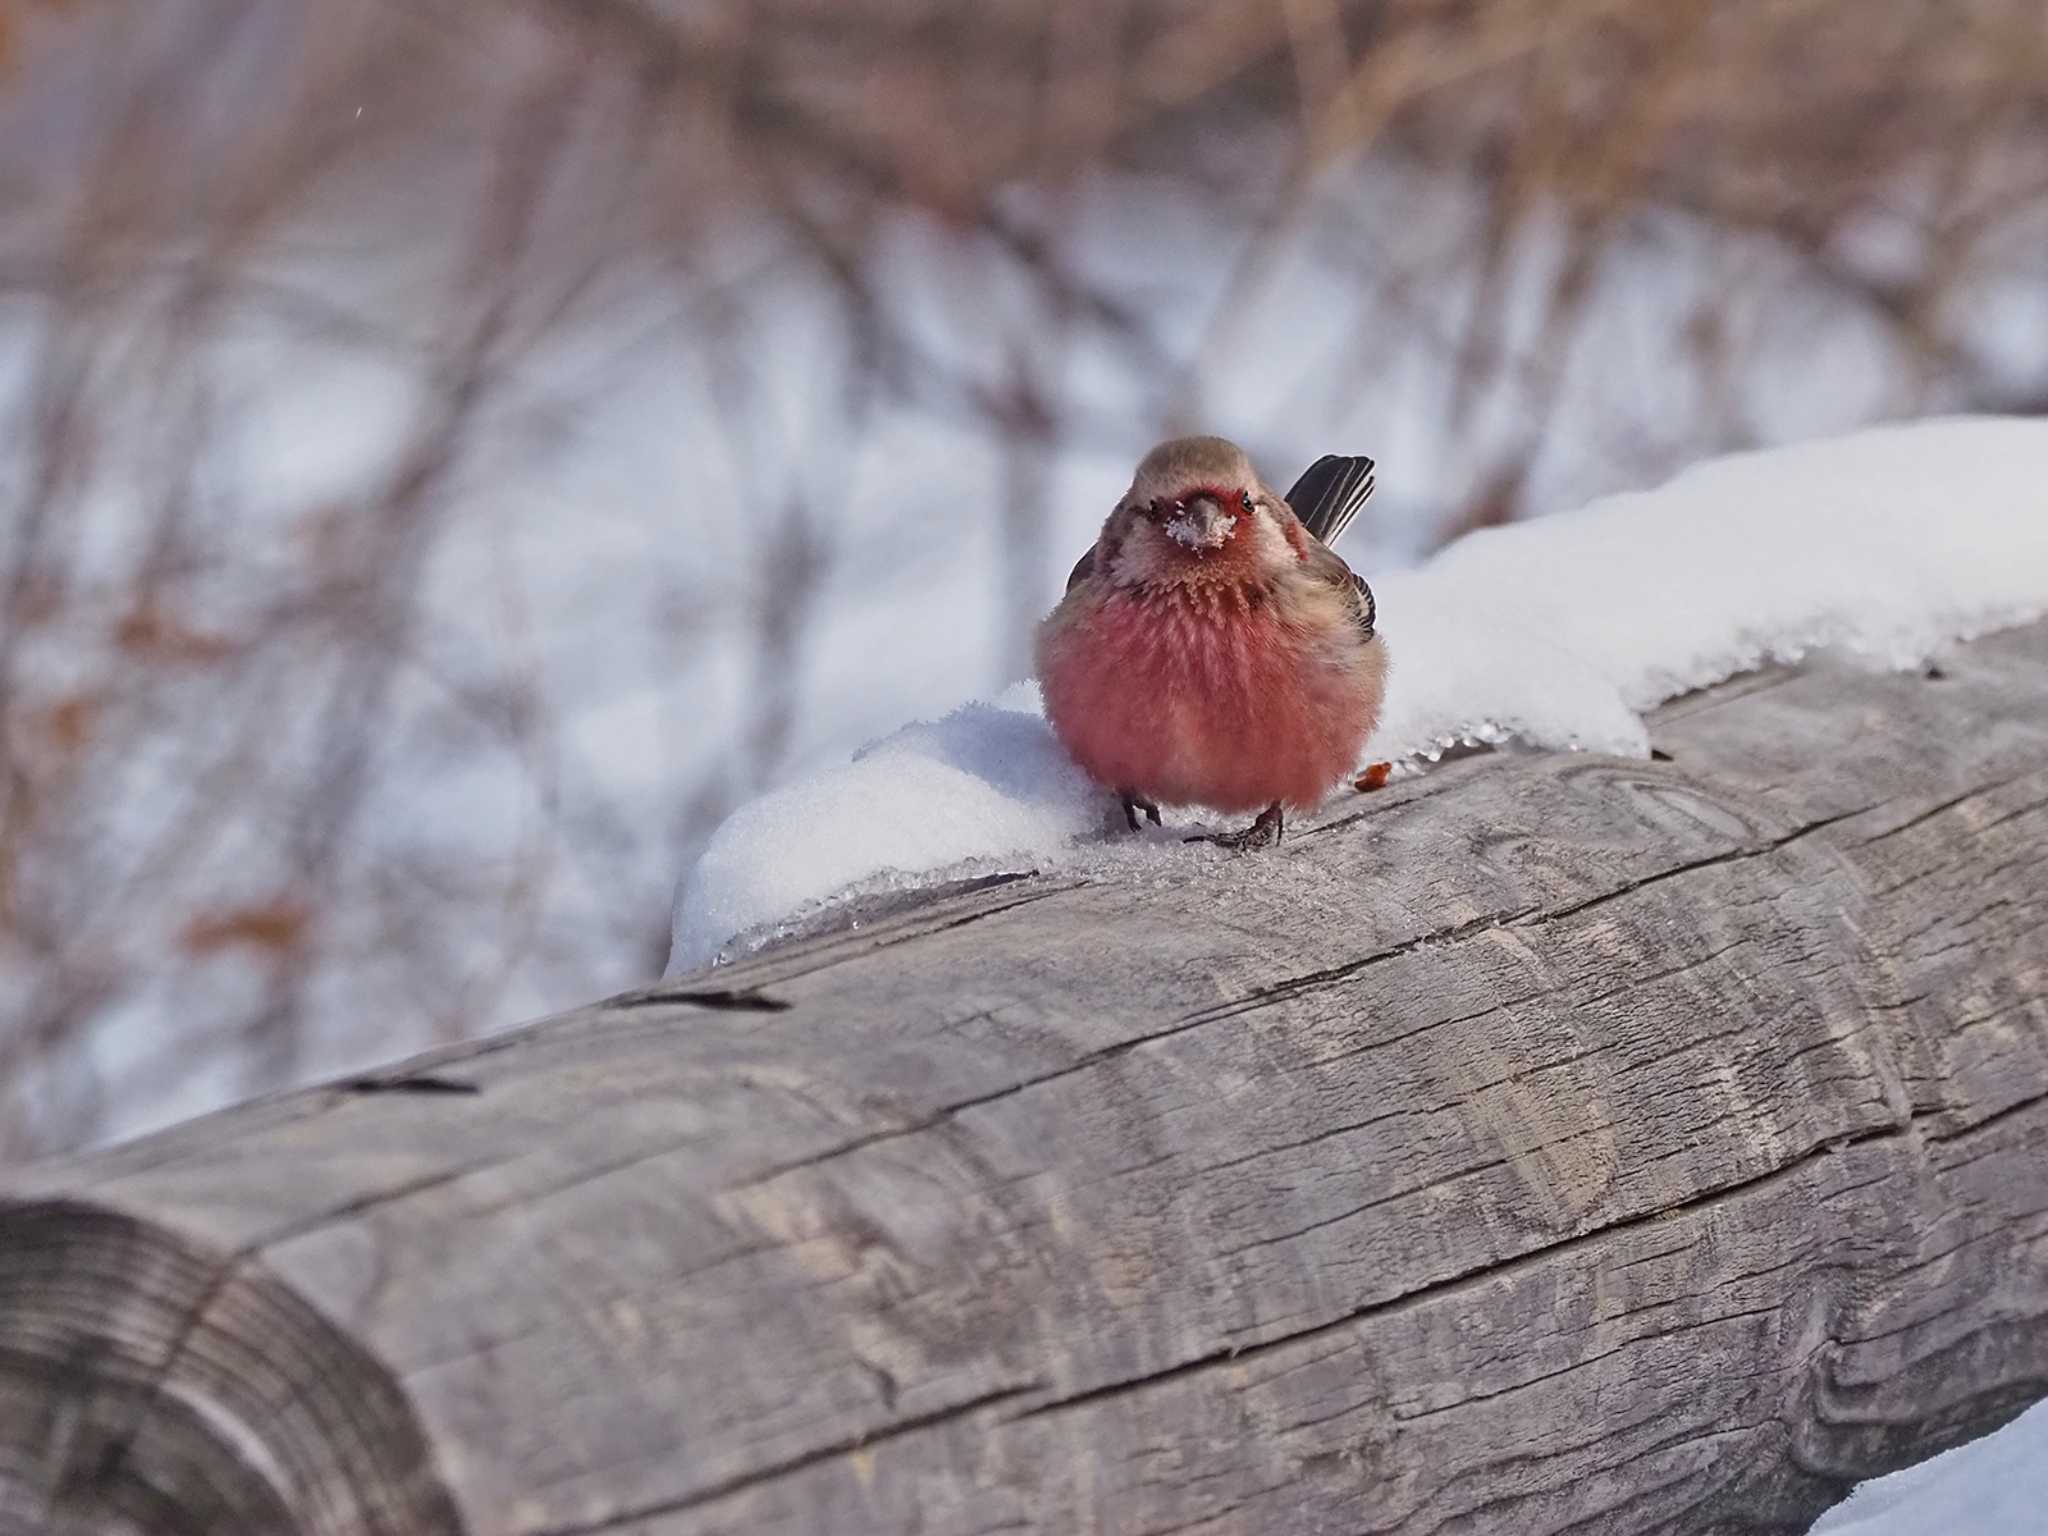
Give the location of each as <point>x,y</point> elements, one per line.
<point>1881,547</point>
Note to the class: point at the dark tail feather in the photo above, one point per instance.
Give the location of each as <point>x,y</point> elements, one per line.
<point>1330,492</point>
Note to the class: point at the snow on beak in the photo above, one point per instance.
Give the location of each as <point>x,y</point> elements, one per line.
<point>1200,524</point>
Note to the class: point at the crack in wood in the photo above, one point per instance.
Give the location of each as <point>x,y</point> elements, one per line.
<point>1730,856</point>
<point>1590,1360</point>
<point>1942,808</point>
<point>1469,1279</point>
<point>839,946</point>
<point>741,1481</point>
<point>420,1082</point>
<point>148,1397</point>
<point>716,999</point>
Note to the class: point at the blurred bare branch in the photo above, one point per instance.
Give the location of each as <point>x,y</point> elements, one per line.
<point>321,324</point>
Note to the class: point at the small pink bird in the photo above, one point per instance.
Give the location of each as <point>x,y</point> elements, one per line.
<point>1211,650</point>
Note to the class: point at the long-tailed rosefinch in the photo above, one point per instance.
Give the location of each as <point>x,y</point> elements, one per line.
<point>1211,650</point>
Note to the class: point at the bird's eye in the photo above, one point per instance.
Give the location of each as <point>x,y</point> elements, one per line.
<point>1245,501</point>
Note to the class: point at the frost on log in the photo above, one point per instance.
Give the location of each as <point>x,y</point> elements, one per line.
<point>1548,1144</point>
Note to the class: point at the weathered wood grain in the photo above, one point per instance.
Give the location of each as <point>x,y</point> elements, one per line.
<point>1551,1144</point>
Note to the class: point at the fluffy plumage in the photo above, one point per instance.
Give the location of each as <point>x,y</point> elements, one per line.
<point>1210,649</point>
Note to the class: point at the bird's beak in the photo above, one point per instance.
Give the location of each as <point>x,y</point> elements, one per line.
<point>1200,524</point>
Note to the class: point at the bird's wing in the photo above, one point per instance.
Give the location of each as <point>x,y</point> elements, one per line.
<point>1325,564</point>
<point>1330,492</point>
<point>1104,549</point>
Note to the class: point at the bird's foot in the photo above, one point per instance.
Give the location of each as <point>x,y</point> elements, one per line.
<point>1263,833</point>
<point>1136,803</point>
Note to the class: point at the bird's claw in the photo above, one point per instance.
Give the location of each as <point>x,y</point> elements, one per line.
<point>1136,803</point>
<point>1263,833</point>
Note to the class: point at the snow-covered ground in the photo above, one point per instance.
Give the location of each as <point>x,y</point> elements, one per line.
<point>1881,546</point>
<point>1994,1486</point>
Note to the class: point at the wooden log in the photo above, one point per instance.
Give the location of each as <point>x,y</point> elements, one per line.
<point>1547,1144</point>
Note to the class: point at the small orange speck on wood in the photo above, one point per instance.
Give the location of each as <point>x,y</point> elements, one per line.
<point>1374,777</point>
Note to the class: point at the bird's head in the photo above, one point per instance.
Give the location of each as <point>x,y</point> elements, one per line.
<point>1196,510</point>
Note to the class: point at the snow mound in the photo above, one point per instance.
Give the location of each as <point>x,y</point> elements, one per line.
<point>1884,545</point>
<point>1881,546</point>
<point>1994,1486</point>
<point>987,781</point>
